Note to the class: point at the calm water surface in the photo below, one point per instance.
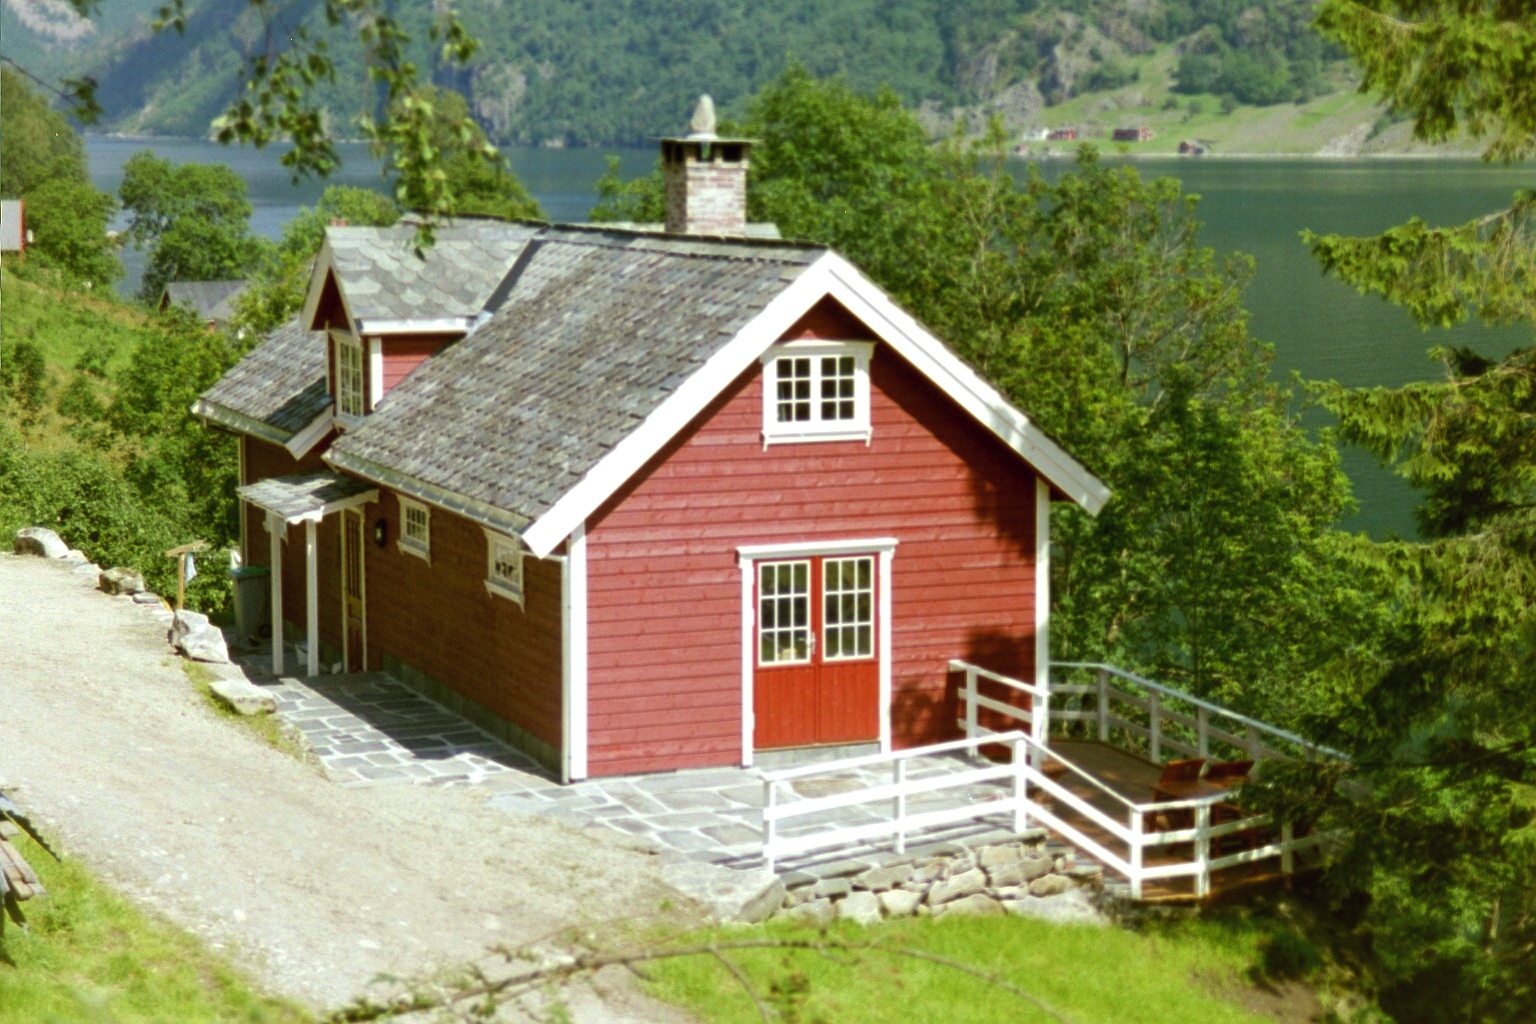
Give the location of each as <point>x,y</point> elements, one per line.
<point>1318,326</point>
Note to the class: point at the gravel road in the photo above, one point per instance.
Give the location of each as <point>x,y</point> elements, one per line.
<point>313,888</point>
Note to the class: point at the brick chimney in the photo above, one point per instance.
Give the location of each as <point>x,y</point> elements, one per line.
<point>706,178</point>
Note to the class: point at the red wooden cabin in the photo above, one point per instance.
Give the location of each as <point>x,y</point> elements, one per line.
<point>642,500</point>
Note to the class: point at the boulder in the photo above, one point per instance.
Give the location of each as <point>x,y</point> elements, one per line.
<point>816,913</point>
<point>1068,908</point>
<point>880,879</point>
<point>997,856</point>
<point>860,908</point>
<point>145,597</point>
<point>1031,868</point>
<point>120,580</point>
<point>75,557</point>
<point>35,540</point>
<point>899,902</point>
<point>975,905</point>
<point>1051,885</point>
<point>1000,875</point>
<point>832,888</point>
<point>194,636</point>
<point>728,895</point>
<point>243,696</point>
<point>957,887</point>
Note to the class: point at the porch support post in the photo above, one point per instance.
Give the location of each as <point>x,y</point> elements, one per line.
<point>275,536</point>
<point>312,598</point>
<point>1042,722</point>
<point>573,578</point>
<point>883,638</point>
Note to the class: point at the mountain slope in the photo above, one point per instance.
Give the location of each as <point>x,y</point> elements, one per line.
<point>556,72</point>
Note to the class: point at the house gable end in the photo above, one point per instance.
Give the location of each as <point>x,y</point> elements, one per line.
<point>803,306</point>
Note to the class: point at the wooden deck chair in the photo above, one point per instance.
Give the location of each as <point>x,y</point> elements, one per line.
<point>1176,772</point>
<point>1228,773</point>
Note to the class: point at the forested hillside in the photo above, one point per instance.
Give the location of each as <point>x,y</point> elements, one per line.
<point>624,71</point>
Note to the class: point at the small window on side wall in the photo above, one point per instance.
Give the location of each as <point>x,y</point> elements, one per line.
<point>816,391</point>
<point>415,529</point>
<point>504,568</point>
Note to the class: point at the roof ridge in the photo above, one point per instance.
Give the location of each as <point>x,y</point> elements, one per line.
<point>677,243</point>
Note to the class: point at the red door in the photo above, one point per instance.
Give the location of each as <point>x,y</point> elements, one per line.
<point>818,675</point>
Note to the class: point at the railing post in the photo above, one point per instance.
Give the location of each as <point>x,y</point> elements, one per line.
<point>770,803</point>
<point>1135,852</point>
<point>1040,728</point>
<point>970,706</point>
<point>1287,854</point>
<point>900,805</point>
<point>1203,729</point>
<point>1020,789</point>
<point>1103,705</point>
<point>1255,743</point>
<point>1155,710</point>
<point>1203,851</point>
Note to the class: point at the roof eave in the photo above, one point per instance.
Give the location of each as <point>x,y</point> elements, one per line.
<point>476,511</point>
<point>222,416</point>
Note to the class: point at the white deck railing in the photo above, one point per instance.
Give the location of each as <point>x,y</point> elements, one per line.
<point>896,795</point>
<point>1131,711</point>
<point>1162,709</point>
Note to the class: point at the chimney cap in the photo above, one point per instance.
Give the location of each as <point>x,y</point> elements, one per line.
<point>702,126</point>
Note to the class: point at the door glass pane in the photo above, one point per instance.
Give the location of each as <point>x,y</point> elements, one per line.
<point>848,603</point>
<point>783,613</point>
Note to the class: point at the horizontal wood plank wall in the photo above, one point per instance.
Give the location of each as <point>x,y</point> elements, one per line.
<point>401,355</point>
<point>264,461</point>
<point>665,587</point>
<point>438,619</point>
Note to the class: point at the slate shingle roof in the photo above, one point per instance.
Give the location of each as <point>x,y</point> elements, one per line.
<point>210,300</point>
<point>597,330</point>
<point>303,494</point>
<point>384,279</point>
<point>277,389</point>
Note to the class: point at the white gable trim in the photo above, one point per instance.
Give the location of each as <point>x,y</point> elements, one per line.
<point>829,275</point>
<point>303,442</point>
<point>323,272</point>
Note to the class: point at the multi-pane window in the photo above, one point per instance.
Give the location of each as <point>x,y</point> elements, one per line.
<point>349,377</point>
<point>504,573</point>
<point>817,391</point>
<point>415,528</point>
<point>848,607</point>
<point>837,388</point>
<point>783,612</point>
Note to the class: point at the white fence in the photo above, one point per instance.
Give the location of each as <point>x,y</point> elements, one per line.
<point>896,795</point>
<point>1136,713</point>
<point>1124,838</point>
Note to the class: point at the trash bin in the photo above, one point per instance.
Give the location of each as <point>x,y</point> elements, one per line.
<point>252,590</point>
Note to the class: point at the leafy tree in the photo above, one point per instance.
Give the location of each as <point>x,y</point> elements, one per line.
<point>479,183</point>
<point>68,220</point>
<point>37,144</point>
<point>194,219</point>
<point>1445,858</point>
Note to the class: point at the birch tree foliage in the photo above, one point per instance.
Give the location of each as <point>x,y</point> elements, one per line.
<point>279,102</point>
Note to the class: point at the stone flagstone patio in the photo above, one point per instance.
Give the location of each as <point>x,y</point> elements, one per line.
<point>370,729</point>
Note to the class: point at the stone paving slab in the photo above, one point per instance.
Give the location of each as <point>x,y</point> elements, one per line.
<point>370,729</point>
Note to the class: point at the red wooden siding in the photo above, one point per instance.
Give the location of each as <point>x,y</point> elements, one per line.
<point>402,355</point>
<point>435,617</point>
<point>438,618</point>
<point>665,588</point>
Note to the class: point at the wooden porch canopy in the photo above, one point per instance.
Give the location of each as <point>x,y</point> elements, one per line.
<point>302,498</point>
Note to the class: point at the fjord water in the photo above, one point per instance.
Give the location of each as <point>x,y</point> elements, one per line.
<point>1319,327</point>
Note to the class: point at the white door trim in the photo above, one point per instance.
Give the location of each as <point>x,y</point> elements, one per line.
<point>748,555</point>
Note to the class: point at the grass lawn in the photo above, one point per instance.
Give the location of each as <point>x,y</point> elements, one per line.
<point>88,957</point>
<point>1189,972</point>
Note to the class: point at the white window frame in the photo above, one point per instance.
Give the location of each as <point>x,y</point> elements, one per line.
<point>420,547</point>
<point>345,412</point>
<point>817,429</point>
<point>497,584</point>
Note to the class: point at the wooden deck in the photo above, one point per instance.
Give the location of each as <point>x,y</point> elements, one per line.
<point>1134,778</point>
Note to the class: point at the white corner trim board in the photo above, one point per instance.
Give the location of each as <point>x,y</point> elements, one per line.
<point>573,577</point>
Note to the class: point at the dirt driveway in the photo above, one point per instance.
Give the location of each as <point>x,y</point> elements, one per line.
<point>314,888</point>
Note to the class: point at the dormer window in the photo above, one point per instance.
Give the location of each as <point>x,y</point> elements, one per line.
<point>816,391</point>
<point>349,376</point>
